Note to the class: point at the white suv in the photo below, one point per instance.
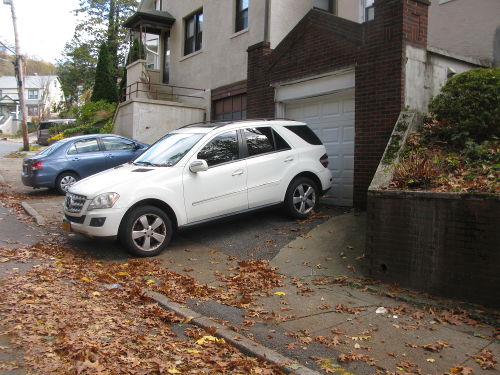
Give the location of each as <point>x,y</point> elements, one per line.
<point>199,173</point>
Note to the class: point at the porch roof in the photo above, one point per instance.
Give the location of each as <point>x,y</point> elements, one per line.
<point>153,20</point>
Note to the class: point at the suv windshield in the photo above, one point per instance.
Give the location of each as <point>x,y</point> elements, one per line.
<point>168,150</point>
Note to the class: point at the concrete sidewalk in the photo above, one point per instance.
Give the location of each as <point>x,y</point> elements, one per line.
<point>325,316</point>
<point>325,313</point>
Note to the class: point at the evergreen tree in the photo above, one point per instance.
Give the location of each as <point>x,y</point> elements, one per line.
<point>104,86</point>
<point>136,52</point>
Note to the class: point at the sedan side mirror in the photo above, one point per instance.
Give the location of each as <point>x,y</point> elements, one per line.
<point>198,166</point>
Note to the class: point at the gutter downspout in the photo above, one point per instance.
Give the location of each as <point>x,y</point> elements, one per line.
<point>267,13</point>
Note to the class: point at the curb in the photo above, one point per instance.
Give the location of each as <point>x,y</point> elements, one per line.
<point>33,213</point>
<point>244,344</point>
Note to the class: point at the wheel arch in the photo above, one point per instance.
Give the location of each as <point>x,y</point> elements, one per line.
<point>156,203</point>
<point>67,171</point>
<point>309,175</point>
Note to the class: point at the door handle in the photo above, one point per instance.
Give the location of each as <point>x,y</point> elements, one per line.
<point>238,172</point>
<point>109,155</point>
<point>75,159</point>
<point>290,158</point>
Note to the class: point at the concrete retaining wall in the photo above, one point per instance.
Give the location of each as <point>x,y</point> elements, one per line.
<point>148,120</point>
<point>446,244</point>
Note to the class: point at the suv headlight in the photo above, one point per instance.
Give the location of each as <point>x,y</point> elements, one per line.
<point>106,200</point>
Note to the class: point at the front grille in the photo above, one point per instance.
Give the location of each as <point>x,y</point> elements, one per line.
<point>75,219</point>
<point>74,203</point>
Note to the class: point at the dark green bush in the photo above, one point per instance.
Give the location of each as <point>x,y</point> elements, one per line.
<point>468,107</point>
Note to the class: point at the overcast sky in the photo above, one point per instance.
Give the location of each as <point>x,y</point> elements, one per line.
<point>44,26</point>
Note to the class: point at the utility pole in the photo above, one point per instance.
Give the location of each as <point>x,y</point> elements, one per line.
<point>19,69</point>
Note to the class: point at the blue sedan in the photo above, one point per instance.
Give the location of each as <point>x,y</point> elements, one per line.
<point>62,164</point>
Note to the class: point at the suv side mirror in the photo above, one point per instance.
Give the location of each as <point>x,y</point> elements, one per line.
<point>198,166</point>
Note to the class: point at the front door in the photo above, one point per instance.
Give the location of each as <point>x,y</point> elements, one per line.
<point>118,150</point>
<point>222,189</point>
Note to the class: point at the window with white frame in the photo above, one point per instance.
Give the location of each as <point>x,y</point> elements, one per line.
<point>32,93</point>
<point>151,44</point>
<point>193,32</point>
<point>368,10</point>
<point>328,5</point>
<point>158,4</point>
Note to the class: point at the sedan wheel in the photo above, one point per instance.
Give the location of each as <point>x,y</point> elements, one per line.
<point>146,231</point>
<point>65,181</point>
<point>301,198</point>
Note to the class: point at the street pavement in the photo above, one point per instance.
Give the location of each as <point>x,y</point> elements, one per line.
<point>325,308</point>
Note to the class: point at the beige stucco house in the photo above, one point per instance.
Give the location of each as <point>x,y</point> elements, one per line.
<point>346,67</point>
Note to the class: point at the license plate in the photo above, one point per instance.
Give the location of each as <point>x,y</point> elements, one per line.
<point>66,226</point>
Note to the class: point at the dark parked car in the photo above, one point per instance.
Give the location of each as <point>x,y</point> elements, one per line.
<point>62,164</point>
<point>43,129</point>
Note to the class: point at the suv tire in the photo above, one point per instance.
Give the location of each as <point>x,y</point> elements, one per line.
<point>146,231</point>
<point>302,198</point>
<point>64,182</point>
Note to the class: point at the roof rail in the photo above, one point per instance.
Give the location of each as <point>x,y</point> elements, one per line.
<point>220,123</point>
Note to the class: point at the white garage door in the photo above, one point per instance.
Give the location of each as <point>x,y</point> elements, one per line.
<point>332,119</point>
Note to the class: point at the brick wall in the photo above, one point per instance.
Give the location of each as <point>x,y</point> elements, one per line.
<point>322,43</point>
<point>443,244</point>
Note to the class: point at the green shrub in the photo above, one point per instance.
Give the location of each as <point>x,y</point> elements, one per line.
<point>92,113</point>
<point>468,107</point>
<point>108,127</point>
<point>82,129</point>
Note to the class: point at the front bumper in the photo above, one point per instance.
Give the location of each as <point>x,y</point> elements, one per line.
<point>81,223</point>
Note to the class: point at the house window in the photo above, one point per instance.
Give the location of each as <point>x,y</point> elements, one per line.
<point>32,110</point>
<point>328,5</point>
<point>193,32</point>
<point>151,45</point>
<point>232,108</point>
<point>368,10</point>
<point>158,4</point>
<point>241,15</point>
<point>33,94</point>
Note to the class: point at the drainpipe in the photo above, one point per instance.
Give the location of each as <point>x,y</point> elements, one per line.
<point>266,20</point>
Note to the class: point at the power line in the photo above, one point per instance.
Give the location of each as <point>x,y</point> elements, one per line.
<point>6,46</point>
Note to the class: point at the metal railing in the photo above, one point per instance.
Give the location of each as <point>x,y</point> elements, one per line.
<point>161,91</point>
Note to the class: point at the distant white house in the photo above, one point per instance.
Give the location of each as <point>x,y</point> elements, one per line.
<point>41,94</point>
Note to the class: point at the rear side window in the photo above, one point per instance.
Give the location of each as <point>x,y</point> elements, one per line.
<point>305,132</point>
<point>263,140</point>
<point>45,125</point>
<point>84,146</point>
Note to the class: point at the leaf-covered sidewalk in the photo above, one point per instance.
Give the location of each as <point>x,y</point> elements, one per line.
<point>73,315</point>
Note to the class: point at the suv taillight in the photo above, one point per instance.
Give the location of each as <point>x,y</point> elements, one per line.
<point>324,160</point>
<point>36,166</point>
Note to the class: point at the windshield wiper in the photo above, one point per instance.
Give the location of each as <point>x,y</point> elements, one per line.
<point>147,163</point>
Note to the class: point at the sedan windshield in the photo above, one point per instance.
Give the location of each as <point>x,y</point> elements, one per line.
<point>168,150</point>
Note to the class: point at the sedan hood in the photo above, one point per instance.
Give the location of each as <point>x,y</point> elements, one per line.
<point>116,179</point>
